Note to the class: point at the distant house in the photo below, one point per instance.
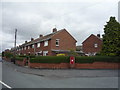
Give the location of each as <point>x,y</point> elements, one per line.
<point>79,48</point>
<point>92,45</point>
<point>54,43</point>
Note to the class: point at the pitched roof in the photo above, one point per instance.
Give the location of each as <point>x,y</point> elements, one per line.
<point>40,39</point>
<point>90,36</point>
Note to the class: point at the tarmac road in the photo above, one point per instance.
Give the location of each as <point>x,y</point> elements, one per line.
<point>15,78</point>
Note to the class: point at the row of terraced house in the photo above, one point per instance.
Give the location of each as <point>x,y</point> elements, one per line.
<point>58,42</point>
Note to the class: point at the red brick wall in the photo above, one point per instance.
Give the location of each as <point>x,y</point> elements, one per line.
<point>7,59</point>
<point>96,65</point>
<point>88,44</point>
<point>21,63</point>
<point>45,65</point>
<point>66,42</point>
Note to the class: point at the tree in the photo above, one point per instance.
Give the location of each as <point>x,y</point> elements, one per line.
<point>111,38</point>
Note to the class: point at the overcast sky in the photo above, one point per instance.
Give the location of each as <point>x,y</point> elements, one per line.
<point>81,18</point>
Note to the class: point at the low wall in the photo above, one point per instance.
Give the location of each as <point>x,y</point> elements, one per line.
<point>46,65</point>
<point>95,65</point>
<point>6,59</point>
<point>98,65</point>
<point>21,63</point>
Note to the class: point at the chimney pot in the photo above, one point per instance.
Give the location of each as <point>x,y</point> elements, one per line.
<point>54,30</point>
<point>40,36</point>
<point>98,35</point>
<point>32,39</point>
<point>25,41</point>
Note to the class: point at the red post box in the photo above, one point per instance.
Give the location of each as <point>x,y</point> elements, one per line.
<point>72,60</point>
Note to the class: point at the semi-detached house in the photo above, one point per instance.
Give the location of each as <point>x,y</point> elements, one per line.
<point>92,45</point>
<point>54,43</point>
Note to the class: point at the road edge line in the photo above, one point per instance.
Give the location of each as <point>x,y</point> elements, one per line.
<point>5,85</point>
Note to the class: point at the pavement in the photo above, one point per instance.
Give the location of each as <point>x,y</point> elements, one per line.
<point>67,73</point>
<point>24,77</point>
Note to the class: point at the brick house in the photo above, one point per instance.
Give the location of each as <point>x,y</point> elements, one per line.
<point>92,45</point>
<point>54,43</point>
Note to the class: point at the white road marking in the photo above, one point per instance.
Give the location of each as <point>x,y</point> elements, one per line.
<point>5,85</point>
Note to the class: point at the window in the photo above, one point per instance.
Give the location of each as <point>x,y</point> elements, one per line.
<point>25,48</point>
<point>33,46</point>
<point>95,45</point>
<point>57,42</point>
<point>28,47</point>
<point>45,53</point>
<point>38,44</point>
<point>46,43</point>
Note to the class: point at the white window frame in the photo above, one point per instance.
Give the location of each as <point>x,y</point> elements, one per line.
<point>57,41</point>
<point>33,46</point>
<point>95,45</point>
<point>25,48</point>
<point>38,45</point>
<point>45,53</point>
<point>28,47</point>
<point>45,43</point>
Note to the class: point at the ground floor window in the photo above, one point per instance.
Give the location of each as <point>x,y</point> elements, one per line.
<point>45,53</point>
<point>39,53</point>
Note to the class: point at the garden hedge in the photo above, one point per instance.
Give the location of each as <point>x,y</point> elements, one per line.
<point>78,59</point>
<point>8,54</point>
<point>19,58</point>
<point>50,59</point>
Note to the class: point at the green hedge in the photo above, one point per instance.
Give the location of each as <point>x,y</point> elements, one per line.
<point>8,54</point>
<point>84,59</point>
<point>78,59</point>
<point>19,58</point>
<point>50,59</point>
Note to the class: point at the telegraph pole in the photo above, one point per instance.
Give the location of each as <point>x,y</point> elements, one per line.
<point>15,40</point>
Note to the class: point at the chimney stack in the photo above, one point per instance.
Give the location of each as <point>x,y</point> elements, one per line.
<point>98,35</point>
<point>54,30</point>
<point>32,39</point>
<point>40,35</point>
<point>25,41</point>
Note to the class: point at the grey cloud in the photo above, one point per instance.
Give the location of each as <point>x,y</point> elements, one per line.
<point>31,19</point>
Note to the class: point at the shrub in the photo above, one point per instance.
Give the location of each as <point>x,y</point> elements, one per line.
<point>8,54</point>
<point>21,55</point>
<point>19,58</point>
<point>84,59</point>
<point>50,59</point>
<point>78,59</point>
<point>31,56</point>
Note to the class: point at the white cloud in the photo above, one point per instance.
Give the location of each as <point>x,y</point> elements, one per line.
<point>31,18</point>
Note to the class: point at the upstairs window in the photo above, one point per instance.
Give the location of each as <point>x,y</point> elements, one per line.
<point>57,42</point>
<point>45,43</point>
<point>38,44</point>
<point>25,48</point>
<point>95,45</point>
<point>28,47</point>
<point>33,46</point>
